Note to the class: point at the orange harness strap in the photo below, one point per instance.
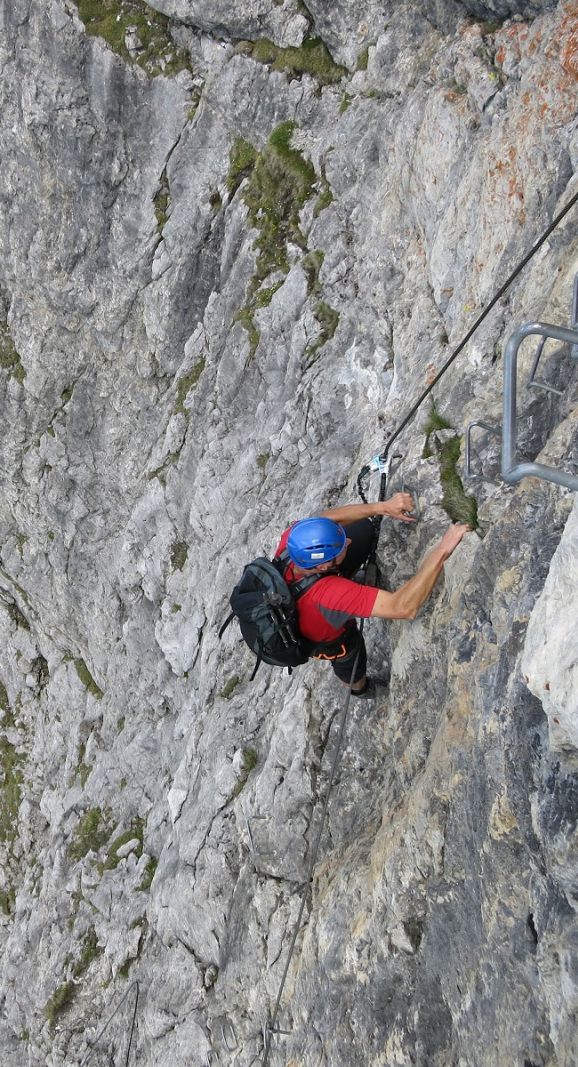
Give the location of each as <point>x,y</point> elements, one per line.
<point>337,655</point>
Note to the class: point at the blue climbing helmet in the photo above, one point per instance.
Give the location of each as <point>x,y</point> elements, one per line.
<point>315,541</point>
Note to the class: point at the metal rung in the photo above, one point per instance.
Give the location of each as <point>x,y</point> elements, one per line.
<point>533,383</point>
<point>513,472</point>
<point>229,1035</point>
<point>255,850</point>
<point>405,488</point>
<point>468,447</point>
<point>274,1031</point>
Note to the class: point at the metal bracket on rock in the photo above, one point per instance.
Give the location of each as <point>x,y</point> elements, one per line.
<point>229,1035</point>
<point>256,852</point>
<point>273,1031</point>
<point>513,472</point>
<point>533,382</point>
<point>468,448</point>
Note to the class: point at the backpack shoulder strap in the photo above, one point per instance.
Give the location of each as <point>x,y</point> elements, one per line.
<point>303,584</point>
<point>226,623</point>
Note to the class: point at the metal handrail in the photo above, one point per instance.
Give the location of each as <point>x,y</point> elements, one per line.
<point>513,472</point>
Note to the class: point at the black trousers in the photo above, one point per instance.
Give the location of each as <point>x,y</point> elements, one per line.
<point>342,652</point>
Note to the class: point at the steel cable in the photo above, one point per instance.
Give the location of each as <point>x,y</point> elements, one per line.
<point>312,861</point>
<point>92,1050</point>
<point>519,268</point>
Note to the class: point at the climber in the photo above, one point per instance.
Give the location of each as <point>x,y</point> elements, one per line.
<point>336,543</point>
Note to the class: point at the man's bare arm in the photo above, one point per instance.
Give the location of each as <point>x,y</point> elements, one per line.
<point>397,507</point>
<point>408,599</point>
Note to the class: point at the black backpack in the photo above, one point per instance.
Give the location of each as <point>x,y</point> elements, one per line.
<point>264,604</point>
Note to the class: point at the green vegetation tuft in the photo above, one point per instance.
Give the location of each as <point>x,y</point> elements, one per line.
<point>161,201</point>
<point>184,386</point>
<point>328,319</point>
<point>60,1000</point>
<point>245,317</point>
<point>18,618</point>
<point>242,159</point>
<point>250,761</point>
<point>4,702</point>
<point>150,871</point>
<point>179,555</point>
<point>278,186</point>
<point>363,59</point>
<point>91,834</point>
<point>346,101</point>
<point>91,950</point>
<point>434,422</point>
<point>459,505</point>
<point>324,199</point>
<point>279,181</point>
<point>87,679</point>
<point>228,689</point>
<point>9,357</point>
<point>135,831</point>
<point>312,57</point>
<point>113,20</point>
<point>63,997</point>
<point>10,789</point>
<point>7,900</point>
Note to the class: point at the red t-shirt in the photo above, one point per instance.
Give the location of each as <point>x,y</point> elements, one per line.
<point>325,608</point>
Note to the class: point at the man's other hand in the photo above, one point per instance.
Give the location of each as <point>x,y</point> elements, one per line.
<point>452,537</point>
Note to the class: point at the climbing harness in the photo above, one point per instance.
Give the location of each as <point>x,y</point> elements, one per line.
<point>330,656</point>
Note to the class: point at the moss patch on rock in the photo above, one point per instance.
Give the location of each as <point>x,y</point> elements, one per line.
<point>87,679</point>
<point>229,688</point>
<point>184,386</point>
<point>9,357</point>
<point>10,789</point>
<point>134,833</point>
<point>442,442</point>
<point>250,761</point>
<point>312,57</point>
<point>162,201</point>
<point>91,834</point>
<point>179,555</point>
<point>63,996</point>
<point>279,181</point>
<point>136,32</point>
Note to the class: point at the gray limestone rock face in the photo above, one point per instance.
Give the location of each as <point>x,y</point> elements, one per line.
<point>550,660</point>
<point>284,22</point>
<point>227,272</point>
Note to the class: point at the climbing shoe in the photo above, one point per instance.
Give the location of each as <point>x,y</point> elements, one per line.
<point>369,691</point>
